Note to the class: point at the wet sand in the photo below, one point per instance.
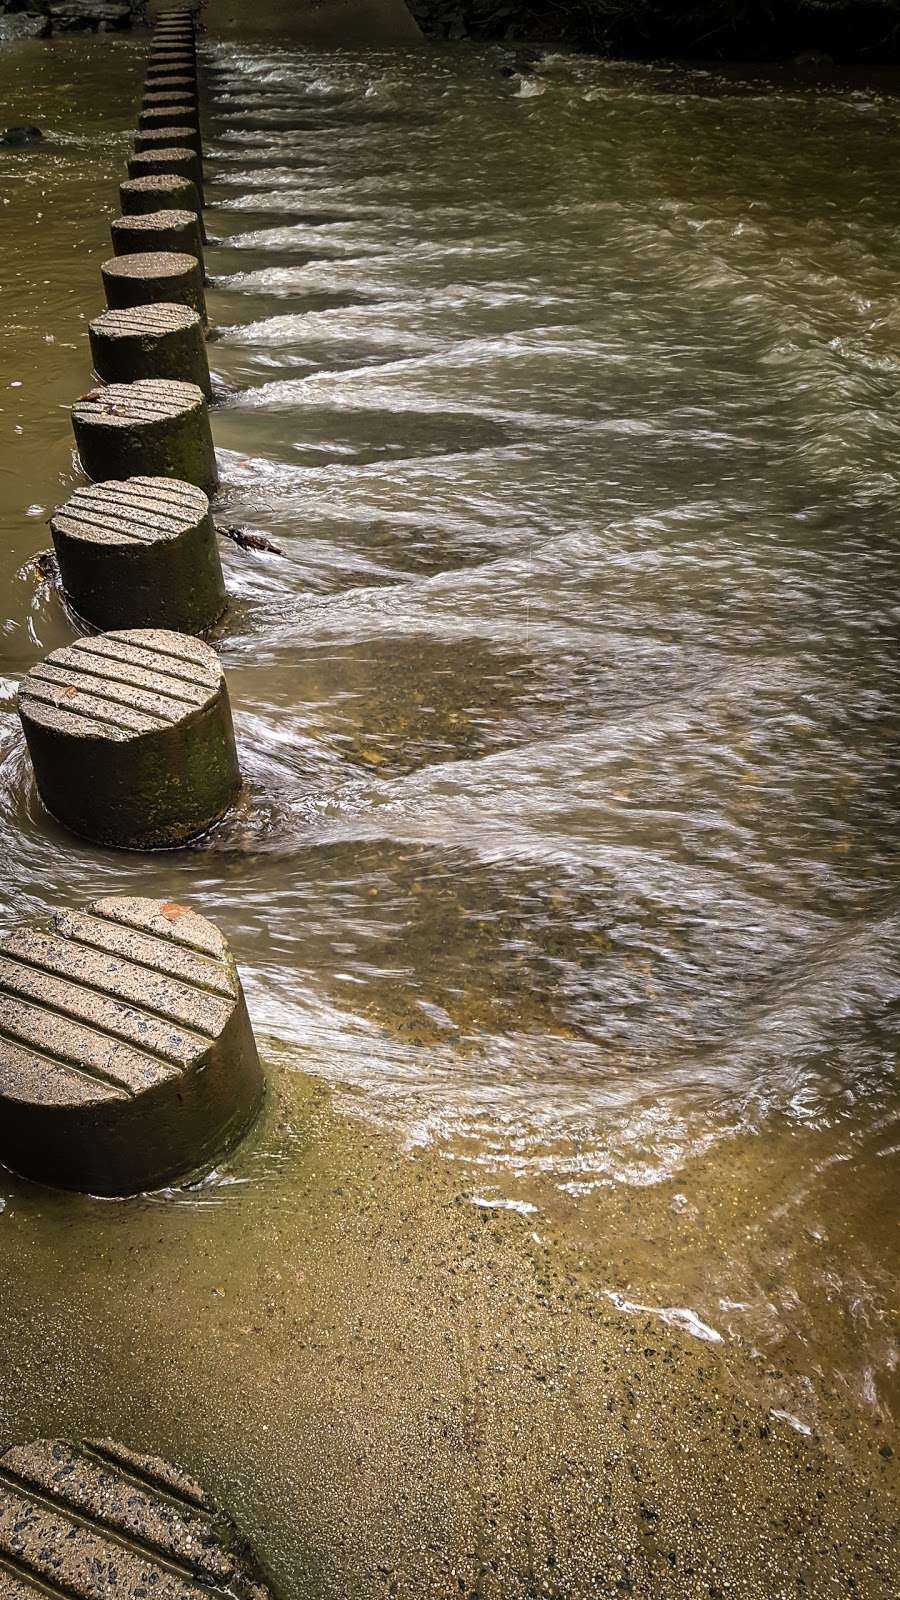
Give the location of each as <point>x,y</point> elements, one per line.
<point>402,1393</point>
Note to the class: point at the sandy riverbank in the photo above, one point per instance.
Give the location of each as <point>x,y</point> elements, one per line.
<point>402,1394</point>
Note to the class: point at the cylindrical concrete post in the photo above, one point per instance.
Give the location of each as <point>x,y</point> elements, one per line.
<point>180,162</point>
<point>183,138</point>
<point>175,54</point>
<point>164,97</point>
<point>172,65</point>
<point>162,192</point>
<point>130,737</point>
<point>152,428</point>
<point>154,341</point>
<point>142,278</point>
<point>184,82</point>
<point>140,554</point>
<point>180,113</point>
<point>127,1060</point>
<point>158,230</point>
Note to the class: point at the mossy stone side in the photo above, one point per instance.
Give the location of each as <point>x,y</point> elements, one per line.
<point>154,427</point>
<point>140,554</point>
<point>164,340</point>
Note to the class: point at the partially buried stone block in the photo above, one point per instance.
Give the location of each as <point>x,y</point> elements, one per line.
<point>127,1058</point>
<point>155,427</point>
<point>131,739</point>
<point>146,276</point>
<point>140,554</point>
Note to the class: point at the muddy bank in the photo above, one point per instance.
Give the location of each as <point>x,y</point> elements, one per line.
<point>402,1393</point>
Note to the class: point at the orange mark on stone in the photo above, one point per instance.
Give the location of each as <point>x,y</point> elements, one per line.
<point>172,911</point>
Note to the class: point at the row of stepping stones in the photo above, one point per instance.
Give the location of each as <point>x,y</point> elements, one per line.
<point>127,1058</point>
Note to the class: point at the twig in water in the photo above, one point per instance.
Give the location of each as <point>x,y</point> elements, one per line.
<point>247,541</point>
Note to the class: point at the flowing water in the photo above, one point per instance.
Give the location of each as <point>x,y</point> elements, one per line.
<point>569,709</point>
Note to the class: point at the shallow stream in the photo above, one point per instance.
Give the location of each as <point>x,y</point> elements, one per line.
<point>569,710</point>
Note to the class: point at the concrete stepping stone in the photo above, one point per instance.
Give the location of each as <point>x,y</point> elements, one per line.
<point>159,340</point>
<point>127,1058</point>
<point>155,427</point>
<point>95,1521</point>
<point>148,276</point>
<point>131,739</point>
<point>140,554</point>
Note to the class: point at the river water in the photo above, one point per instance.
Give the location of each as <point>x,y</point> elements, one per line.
<point>568,711</point>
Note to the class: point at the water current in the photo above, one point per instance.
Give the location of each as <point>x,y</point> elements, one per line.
<point>568,710</point>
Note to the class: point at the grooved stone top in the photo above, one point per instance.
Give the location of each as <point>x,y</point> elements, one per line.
<point>103,1004</point>
<point>134,511</point>
<point>150,321</point>
<point>175,133</point>
<point>122,405</point>
<point>175,106</point>
<point>153,221</point>
<point>166,153</point>
<point>164,96</point>
<point>95,1521</point>
<point>150,264</point>
<point>159,183</point>
<point>118,686</point>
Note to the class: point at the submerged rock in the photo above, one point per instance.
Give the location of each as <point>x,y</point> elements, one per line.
<point>26,134</point>
<point>24,25</point>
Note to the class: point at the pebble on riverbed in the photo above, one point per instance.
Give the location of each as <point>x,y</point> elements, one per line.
<point>26,134</point>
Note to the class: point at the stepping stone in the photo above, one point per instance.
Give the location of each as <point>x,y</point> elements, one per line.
<point>152,341</point>
<point>185,134</point>
<point>141,278</point>
<point>174,229</point>
<point>131,739</point>
<point>155,427</point>
<point>95,1521</point>
<point>176,159</point>
<point>140,554</point>
<point>127,1059</point>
